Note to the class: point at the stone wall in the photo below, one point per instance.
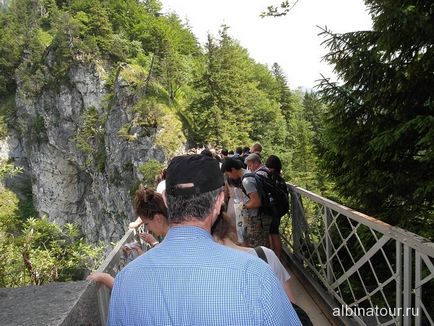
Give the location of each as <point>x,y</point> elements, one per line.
<point>66,304</point>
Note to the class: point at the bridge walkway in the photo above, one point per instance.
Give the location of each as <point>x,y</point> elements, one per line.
<point>342,258</point>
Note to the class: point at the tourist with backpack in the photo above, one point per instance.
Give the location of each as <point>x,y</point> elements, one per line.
<point>256,221</point>
<point>273,193</point>
<point>274,166</point>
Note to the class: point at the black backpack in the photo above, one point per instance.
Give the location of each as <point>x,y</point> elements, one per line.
<point>273,193</point>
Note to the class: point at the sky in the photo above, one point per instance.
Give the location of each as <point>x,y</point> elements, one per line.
<point>292,40</point>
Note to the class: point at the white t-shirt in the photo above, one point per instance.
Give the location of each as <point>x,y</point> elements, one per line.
<point>161,187</point>
<point>274,263</point>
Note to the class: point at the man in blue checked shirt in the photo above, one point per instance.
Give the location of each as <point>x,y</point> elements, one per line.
<point>189,279</point>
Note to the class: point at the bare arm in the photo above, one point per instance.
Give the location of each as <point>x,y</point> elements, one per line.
<point>103,278</point>
<point>254,201</point>
<point>136,223</point>
<point>149,238</point>
<point>289,292</point>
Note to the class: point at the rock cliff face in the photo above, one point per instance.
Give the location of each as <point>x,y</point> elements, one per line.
<point>67,139</point>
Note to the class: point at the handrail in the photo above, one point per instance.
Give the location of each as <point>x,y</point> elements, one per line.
<point>413,240</point>
<point>367,265</point>
<point>113,263</point>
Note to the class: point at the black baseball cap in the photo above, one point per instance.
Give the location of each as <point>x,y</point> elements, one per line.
<point>193,174</point>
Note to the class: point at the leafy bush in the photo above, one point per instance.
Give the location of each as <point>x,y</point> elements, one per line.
<point>43,252</point>
<point>8,210</point>
<point>37,251</point>
<point>170,136</point>
<point>90,138</point>
<point>3,128</point>
<point>150,171</point>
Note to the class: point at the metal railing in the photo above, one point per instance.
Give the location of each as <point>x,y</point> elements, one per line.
<point>113,263</point>
<point>379,274</point>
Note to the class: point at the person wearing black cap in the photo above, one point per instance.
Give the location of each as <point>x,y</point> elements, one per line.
<point>188,279</point>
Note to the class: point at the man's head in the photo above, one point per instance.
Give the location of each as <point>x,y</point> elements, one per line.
<point>256,148</point>
<point>253,162</point>
<point>232,168</point>
<point>224,152</point>
<point>194,185</point>
<point>239,150</point>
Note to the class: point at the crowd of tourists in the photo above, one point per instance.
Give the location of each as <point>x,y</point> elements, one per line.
<point>215,246</point>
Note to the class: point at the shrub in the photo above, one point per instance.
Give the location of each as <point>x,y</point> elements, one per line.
<point>150,170</point>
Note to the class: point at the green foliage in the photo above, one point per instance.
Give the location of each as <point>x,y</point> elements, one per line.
<point>170,136</point>
<point>45,252</point>
<point>135,186</point>
<point>7,169</point>
<point>379,137</point>
<point>124,133</point>
<point>150,170</point>
<point>222,95</point>
<point>3,128</point>
<point>11,49</point>
<point>272,130</point>
<point>7,115</point>
<point>135,74</point>
<point>282,10</point>
<point>37,130</point>
<point>26,208</point>
<point>149,112</point>
<point>30,72</point>
<point>284,95</point>
<point>8,210</point>
<point>37,251</point>
<point>90,138</point>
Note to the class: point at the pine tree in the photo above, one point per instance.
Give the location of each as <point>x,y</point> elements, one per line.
<point>380,135</point>
<point>220,112</point>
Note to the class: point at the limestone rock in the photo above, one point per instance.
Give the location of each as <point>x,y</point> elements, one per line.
<point>85,180</point>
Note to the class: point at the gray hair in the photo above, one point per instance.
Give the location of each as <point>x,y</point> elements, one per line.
<point>188,208</point>
<point>253,158</point>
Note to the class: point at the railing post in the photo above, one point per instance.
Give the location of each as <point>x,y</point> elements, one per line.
<point>418,291</point>
<point>295,214</point>
<point>407,284</point>
<point>328,219</point>
<point>103,302</point>
<point>398,317</point>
